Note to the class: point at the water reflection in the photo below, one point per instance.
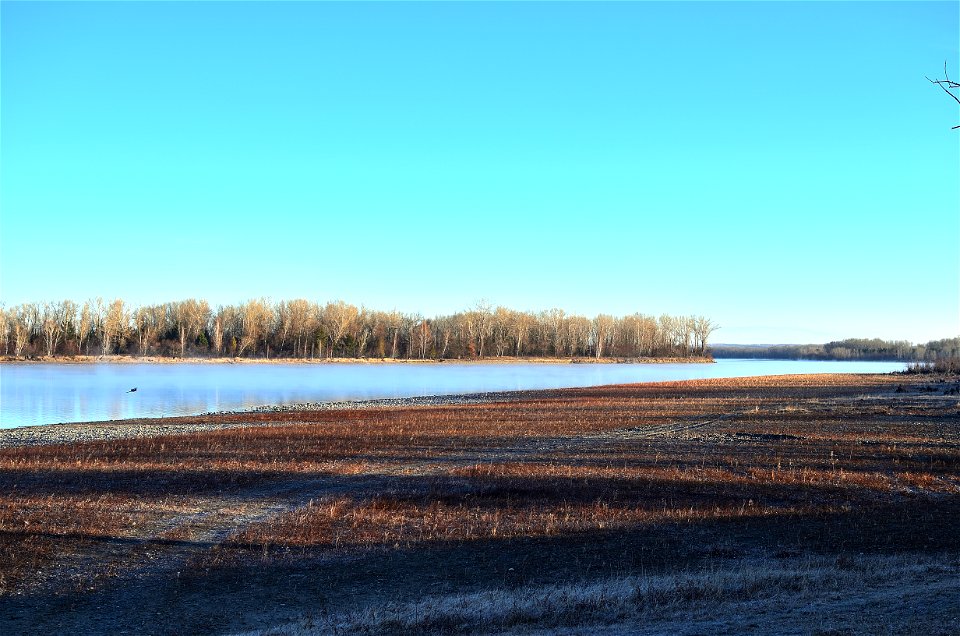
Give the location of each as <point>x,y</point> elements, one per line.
<point>50,393</point>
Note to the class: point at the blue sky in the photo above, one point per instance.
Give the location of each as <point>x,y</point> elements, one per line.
<point>783,168</point>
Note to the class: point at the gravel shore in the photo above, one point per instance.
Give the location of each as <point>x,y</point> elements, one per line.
<point>424,400</point>
<point>99,431</point>
<point>152,427</point>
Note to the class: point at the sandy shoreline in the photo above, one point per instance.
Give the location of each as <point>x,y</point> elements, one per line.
<point>116,359</point>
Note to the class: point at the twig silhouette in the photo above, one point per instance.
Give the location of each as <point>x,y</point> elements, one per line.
<point>948,86</point>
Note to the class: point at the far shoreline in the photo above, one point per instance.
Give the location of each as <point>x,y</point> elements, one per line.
<point>126,359</point>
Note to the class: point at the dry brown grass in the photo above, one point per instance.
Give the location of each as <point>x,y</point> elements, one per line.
<point>396,522</point>
<point>510,500</point>
<point>753,597</point>
<point>38,530</point>
<point>553,464</point>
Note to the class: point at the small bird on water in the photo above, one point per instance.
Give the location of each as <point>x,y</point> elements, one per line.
<point>133,390</point>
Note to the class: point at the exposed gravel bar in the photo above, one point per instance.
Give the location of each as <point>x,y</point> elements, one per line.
<point>425,400</point>
<point>99,431</point>
<point>122,429</point>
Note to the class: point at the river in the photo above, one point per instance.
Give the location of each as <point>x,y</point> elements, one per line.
<point>32,393</point>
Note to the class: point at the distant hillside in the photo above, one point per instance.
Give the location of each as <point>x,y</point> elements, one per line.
<point>849,349</point>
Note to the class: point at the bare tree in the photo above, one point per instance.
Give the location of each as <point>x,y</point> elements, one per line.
<point>520,326</point>
<point>423,336</point>
<point>51,323</point>
<point>216,330</point>
<point>311,328</point>
<point>632,333</point>
<point>949,87</point>
<point>284,323</point>
<point>256,316</point>
<point>338,319</point>
<point>6,321</point>
<point>198,313</point>
<point>702,328</point>
<point>665,335</point>
<point>359,331</point>
<point>140,323</point>
<point>394,325</point>
<point>501,321</point>
<point>648,335</point>
<point>68,318</point>
<point>98,313</point>
<point>24,323</point>
<point>603,329</point>
<point>480,324</point>
<point>84,325</point>
<point>150,322</point>
<point>578,334</point>
<point>677,334</point>
<point>189,317</point>
<point>299,314</point>
<point>408,325</point>
<point>555,319</point>
<point>113,326</point>
<point>231,321</point>
<point>445,328</point>
<point>378,334</point>
<point>415,337</point>
<point>54,321</point>
<point>685,325</point>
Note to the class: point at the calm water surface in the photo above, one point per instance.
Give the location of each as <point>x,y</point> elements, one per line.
<point>49,393</point>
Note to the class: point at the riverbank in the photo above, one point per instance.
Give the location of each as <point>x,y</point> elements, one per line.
<point>607,509</point>
<point>66,433</point>
<point>118,359</point>
<point>46,434</point>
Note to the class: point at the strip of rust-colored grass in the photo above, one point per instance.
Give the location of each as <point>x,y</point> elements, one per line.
<point>551,463</point>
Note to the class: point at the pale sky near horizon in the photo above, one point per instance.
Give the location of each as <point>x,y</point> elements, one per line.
<point>783,168</point>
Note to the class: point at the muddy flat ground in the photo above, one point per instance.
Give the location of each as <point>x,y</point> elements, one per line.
<point>792,504</point>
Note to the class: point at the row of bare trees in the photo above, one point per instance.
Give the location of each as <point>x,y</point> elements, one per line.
<point>303,329</point>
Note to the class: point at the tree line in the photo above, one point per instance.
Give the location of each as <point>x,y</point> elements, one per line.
<point>849,349</point>
<point>260,328</point>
